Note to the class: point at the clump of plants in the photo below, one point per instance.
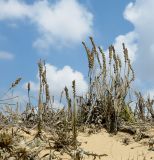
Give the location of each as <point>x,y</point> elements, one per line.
<point>110,80</point>
<point>106,104</point>
<point>6,141</point>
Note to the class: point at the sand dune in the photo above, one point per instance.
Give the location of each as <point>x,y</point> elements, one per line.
<point>112,146</point>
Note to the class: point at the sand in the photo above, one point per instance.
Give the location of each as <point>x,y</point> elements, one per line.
<point>104,143</point>
<point>113,146</point>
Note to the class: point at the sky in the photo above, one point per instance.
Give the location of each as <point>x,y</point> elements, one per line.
<point>53,30</point>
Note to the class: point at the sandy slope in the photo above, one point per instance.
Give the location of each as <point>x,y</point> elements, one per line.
<point>112,146</point>
<point>104,143</point>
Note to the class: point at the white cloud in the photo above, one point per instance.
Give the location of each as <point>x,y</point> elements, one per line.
<point>62,23</point>
<point>140,14</point>
<point>6,55</point>
<point>59,78</point>
<point>13,9</point>
<point>130,40</point>
<point>140,41</point>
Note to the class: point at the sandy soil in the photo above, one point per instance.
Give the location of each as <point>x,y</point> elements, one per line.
<point>104,143</point>
<point>113,146</point>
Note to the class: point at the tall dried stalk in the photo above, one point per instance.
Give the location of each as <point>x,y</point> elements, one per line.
<point>109,86</point>
<point>40,104</point>
<point>74,117</point>
<point>28,89</point>
<point>69,109</point>
<point>140,105</point>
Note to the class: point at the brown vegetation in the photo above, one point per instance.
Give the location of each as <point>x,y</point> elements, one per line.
<point>106,105</point>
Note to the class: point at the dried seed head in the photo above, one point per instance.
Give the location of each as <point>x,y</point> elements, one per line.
<point>40,65</point>
<point>117,64</point>
<point>125,51</point>
<point>113,49</point>
<point>104,61</point>
<point>119,61</point>
<point>123,45</point>
<point>66,92</point>
<point>110,54</point>
<point>47,92</point>
<point>44,80</point>
<point>28,86</point>
<point>17,81</point>
<point>114,57</point>
<point>74,90</point>
<point>114,67</point>
<point>133,73</point>
<point>91,60</point>
<point>90,56</point>
<point>93,44</point>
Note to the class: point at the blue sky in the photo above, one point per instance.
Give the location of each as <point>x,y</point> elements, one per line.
<point>27,34</point>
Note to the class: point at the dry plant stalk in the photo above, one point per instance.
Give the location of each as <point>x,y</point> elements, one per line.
<point>106,104</point>
<point>109,86</point>
<point>74,118</point>
<point>40,103</point>
<point>14,84</point>
<point>69,111</point>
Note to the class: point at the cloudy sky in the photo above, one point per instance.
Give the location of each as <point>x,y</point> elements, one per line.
<point>54,29</point>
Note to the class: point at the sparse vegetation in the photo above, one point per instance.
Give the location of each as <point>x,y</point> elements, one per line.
<point>106,105</point>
